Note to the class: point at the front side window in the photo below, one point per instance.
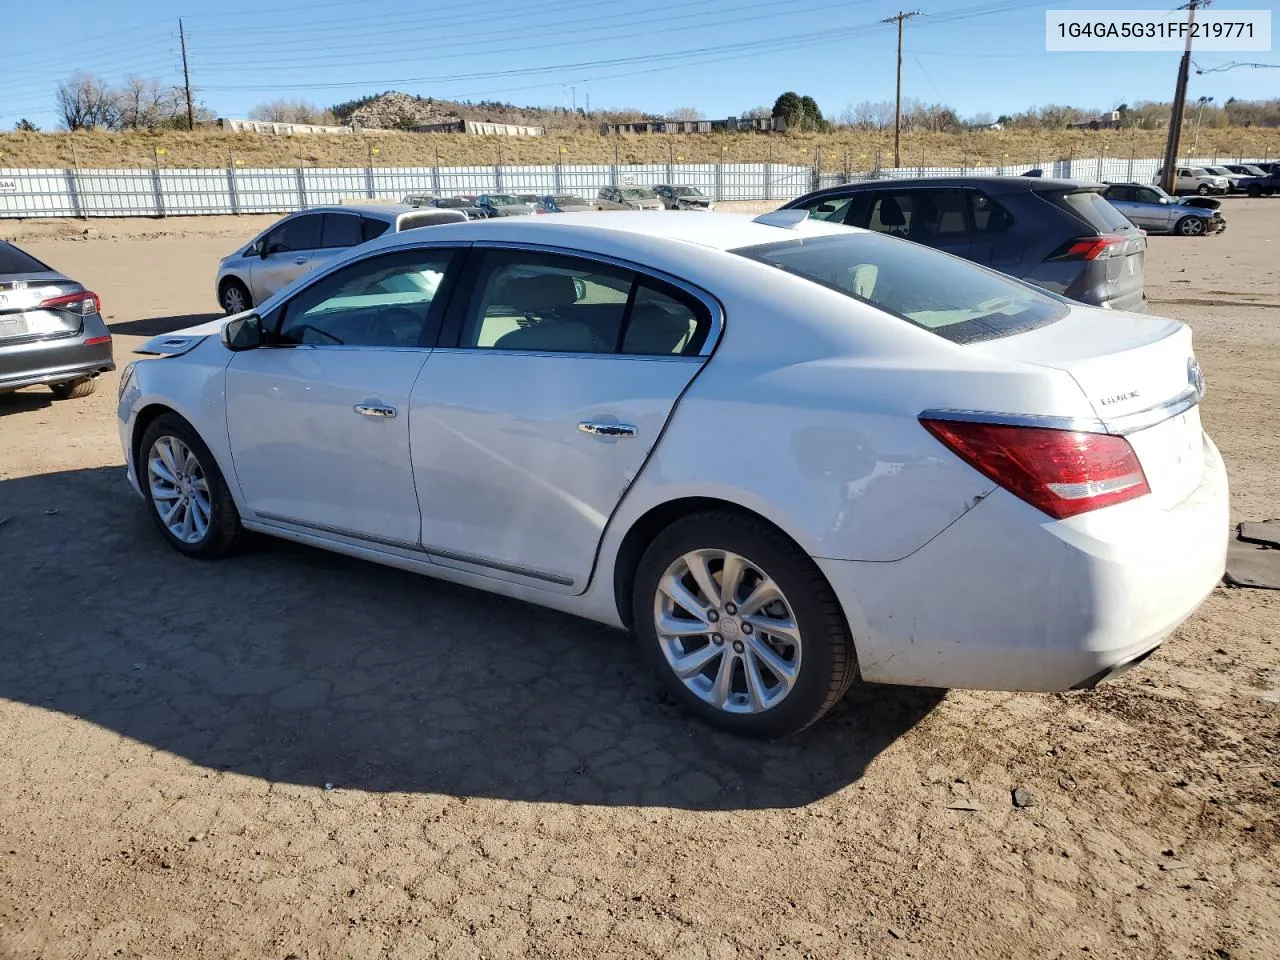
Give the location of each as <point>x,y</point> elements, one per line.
<point>501,200</point>
<point>1148,195</point>
<point>300,233</point>
<point>383,301</point>
<point>949,297</point>
<point>832,209</point>
<point>551,303</point>
<point>638,193</point>
<point>688,192</point>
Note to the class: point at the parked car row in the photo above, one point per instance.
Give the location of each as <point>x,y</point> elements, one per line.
<point>1155,211</point>
<point>480,402</point>
<point>484,205</point>
<point>1257,180</point>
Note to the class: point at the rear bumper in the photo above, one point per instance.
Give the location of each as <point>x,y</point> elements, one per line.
<point>1007,599</point>
<point>58,360</point>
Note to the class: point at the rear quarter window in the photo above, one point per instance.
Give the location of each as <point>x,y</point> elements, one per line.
<point>1094,209</point>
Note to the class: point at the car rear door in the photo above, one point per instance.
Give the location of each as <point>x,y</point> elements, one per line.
<point>933,216</point>
<point>339,232</point>
<point>318,419</point>
<point>551,385</point>
<point>287,253</point>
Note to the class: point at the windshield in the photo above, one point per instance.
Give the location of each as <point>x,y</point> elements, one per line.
<point>1219,171</point>
<point>564,200</point>
<point>453,202</point>
<point>1200,172</point>
<point>943,294</point>
<point>688,192</point>
<point>638,193</point>
<point>502,199</point>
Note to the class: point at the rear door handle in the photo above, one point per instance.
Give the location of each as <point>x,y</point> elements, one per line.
<point>374,409</point>
<point>299,260</point>
<point>598,429</point>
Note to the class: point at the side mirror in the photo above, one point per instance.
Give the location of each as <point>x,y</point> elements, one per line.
<point>825,208</point>
<point>242,333</point>
<point>579,288</point>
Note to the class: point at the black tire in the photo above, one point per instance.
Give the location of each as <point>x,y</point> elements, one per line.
<point>1254,191</point>
<point>1203,190</point>
<point>828,664</point>
<point>232,288</point>
<point>74,389</point>
<point>224,519</point>
<point>1190,227</point>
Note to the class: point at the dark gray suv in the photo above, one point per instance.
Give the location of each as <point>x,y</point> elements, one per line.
<point>51,328</point>
<point>1061,235</point>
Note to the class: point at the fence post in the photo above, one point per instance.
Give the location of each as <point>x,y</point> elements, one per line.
<point>157,191</point>
<point>233,188</point>
<point>302,189</point>
<point>816,180</point>
<point>368,174</point>
<point>557,178</point>
<point>1099,167</point>
<point>719,181</point>
<point>671,168</point>
<point>1129,172</point>
<point>73,184</point>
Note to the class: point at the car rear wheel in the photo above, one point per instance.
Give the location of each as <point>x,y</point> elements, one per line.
<point>1190,226</point>
<point>185,490</point>
<point>741,625</point>
<point>1203,189</point>
<point>74,389</point>
<point>235,297</point>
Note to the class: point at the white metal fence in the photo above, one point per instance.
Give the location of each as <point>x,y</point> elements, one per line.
<point>161,192</point>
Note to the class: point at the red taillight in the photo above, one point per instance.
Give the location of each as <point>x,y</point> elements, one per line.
<point>94,341</point>
<point>1093,248</point>
<point>83,302</point>
<point>1062,472</point>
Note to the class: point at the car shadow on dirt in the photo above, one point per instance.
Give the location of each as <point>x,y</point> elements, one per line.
<point>24,401</point>
<point>300,666</point>
<point>154,326</point>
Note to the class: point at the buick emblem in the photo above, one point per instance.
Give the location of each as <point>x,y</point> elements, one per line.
<point>1195,378</point>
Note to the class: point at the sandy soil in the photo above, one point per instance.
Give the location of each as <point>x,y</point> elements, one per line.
<point>509,782</point>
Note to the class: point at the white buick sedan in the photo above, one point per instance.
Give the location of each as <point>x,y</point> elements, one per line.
<point>785,454</point>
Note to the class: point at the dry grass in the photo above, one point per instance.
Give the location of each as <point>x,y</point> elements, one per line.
<point>854,150</point>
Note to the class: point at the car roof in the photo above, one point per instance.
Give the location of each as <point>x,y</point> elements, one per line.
<point>385,211</point>
<point>991,183</point>
<point>588,230</point>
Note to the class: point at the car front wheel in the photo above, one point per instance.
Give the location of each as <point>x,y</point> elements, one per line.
<point>235,297</point>
<point>741,625</point>
<point>185,491</point>
<point>1203,189</point>
<point>1190,226</point>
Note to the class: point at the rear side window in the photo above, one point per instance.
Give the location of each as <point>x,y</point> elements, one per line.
<point>13,260</point>
<point>1093,209</point>
<point>372,229</point>
<point>988,216</point>
<point>942,294</point>
<point>340,230</point>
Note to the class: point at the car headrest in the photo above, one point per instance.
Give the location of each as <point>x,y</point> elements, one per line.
<point>544,292</point>
<point>891,213</point>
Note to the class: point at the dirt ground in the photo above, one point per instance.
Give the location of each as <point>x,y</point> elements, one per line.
<point>294,755</point>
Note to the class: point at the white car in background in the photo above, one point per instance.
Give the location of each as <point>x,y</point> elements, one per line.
<point>785,453</point>
<point>306,241</point>
<point>1195,180</point>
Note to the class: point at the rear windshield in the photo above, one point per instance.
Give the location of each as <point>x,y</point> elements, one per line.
<point>13,260</point>
<point>502,199</point>
<point>566,201</point>
<point>1094,209</point>
<point>943,294</point>
<point>427,218</point>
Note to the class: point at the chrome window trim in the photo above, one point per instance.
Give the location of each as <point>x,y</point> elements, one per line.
<point>1116,426</point>
<point>704,297</point>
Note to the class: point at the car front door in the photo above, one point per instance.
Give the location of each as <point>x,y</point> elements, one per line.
<point>552,383</point>
<point>1156,211</point>
<point>318,419</point>
<point>286,254</point>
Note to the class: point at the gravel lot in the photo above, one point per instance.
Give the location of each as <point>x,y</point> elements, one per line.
<point>292,754</point>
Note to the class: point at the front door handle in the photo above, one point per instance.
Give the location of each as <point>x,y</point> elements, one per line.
<point>299,260</point>
<point>598,429</point>
<point>372,408</point>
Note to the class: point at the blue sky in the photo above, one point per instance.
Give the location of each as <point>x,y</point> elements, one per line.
<point>722,56</point>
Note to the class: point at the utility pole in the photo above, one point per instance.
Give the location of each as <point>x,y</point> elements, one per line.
<point>901,18</point>
<point>573,92</point>
<point>1169,170</point>
<point>1199,119</point>
<point>186,77</point>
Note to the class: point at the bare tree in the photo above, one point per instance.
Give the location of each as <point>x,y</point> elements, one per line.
<point>757,113</point>
<point>85,102</point>
<point>686,113</point>
<point>868,115</point>
<point>146,105</point>
<point>983,119</point>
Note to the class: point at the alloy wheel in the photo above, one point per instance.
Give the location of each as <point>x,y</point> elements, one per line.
<point>233,299</point>
<point>179,489</point>
<point>727,631</point>
<point>1192,227</point>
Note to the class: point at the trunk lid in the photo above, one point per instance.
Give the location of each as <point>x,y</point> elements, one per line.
<point>21,316</point>
<point>1140,376</point>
